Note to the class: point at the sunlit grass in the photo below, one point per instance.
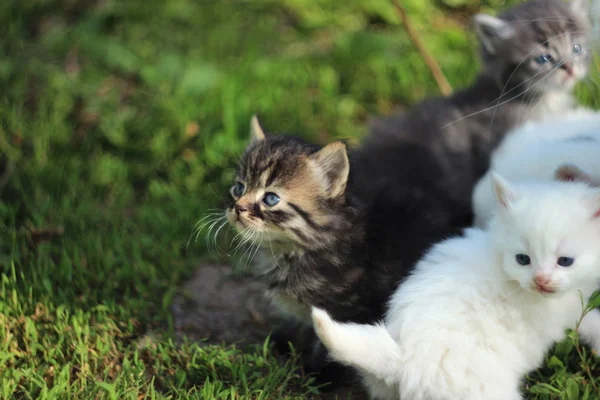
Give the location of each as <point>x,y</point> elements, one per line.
<point>120,123</point>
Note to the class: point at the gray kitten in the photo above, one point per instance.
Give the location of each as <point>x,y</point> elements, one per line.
<point>533,55</point>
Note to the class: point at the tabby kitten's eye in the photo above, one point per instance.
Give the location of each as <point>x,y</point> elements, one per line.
<point>576,49</point>
<point>565,261</point>
<point>523,259</point>
<point>238,189</point>
<point>543,59</point>
<point>271,199</point>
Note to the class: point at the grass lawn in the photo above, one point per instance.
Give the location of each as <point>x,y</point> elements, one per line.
<point>120,125</point>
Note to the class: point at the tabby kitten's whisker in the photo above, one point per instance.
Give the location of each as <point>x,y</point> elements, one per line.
<point>245,239</point>
<point>199,226</point>
<point>237,237</point>
<point>212,250</point>
<point>216,246</point>
<point>252,253</point>
<point>272,252</point>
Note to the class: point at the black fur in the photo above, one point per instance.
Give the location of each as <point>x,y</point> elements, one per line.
<point>373,245</point>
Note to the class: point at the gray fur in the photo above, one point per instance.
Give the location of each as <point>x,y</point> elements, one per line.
<point>458,133</point>
<point>526,31</point>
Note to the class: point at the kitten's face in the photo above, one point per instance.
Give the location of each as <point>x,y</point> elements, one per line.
<point>542,44</point>
<point>548,235</point>
<point>285,191</point>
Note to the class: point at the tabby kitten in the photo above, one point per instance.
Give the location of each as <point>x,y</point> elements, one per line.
<point>318,244</point>
<point>533,55</point>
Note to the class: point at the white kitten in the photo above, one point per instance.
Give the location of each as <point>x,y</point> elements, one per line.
<point>536,150</point>
<point>481,310</point>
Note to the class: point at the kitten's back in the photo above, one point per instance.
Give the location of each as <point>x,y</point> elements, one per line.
<point>536,151</point>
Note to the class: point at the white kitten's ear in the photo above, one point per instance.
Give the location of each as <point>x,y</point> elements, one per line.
<point>502,189</point>
<point>334,164</point>
<point>491,31</point>
<point>570,173</point>
<point>256,131</point>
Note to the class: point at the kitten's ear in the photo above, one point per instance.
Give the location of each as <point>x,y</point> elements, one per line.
<point>491,31</point>
<point>256,131</point>
<point>333,162</point>
<point>502,189</point>
<point>569,173</point>
<point>580,7</point>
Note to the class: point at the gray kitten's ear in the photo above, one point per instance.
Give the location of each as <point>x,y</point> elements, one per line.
<point>569,173</point>
<point>491,31</point>
<point>580,7</point>
<point>256,131</point>
<point>503,190</point>
<point>334,164</point>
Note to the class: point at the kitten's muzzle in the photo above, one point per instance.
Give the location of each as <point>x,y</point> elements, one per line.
<point>542,284</point>
<point>567,66</point>
<point>239,209</point>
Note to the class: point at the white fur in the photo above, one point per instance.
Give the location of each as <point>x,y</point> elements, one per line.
<point>536,150</point>
<point>468,324</point>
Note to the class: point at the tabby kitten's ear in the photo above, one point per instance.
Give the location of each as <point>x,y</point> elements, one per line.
<point>333,162</point>
<point>569,172</point>
<point>491,31</point>
<point>256,131</point>
<point>504,193</point>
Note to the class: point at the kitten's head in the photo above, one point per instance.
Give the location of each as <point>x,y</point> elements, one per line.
<point>541,44</point>
<point>287,193</point>
<point>548,234</point>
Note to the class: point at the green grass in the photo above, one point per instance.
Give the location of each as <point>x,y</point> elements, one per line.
<point>120,123</point>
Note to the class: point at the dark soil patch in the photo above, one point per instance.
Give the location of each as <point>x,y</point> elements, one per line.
<point>217,307</point>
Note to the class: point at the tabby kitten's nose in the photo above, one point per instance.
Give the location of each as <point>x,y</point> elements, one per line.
<point>239,209</point>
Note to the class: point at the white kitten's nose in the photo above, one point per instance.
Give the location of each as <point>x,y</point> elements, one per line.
<point>542,283</point>
<point>541,279</point>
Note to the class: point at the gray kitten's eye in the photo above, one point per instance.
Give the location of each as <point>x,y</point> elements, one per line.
<point>565,261</point>
<point>523,259</point>
<point>271,199</point>
<point>238,189</point>
<point>543,59</point>
<point>576,49</point>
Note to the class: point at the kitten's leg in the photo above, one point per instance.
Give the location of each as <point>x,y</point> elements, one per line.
<point>369,348</point>
<point>313,355</point>
<point>589,330</point>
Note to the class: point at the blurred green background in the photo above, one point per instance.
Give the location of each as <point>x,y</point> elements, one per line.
<point>120,125</point>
